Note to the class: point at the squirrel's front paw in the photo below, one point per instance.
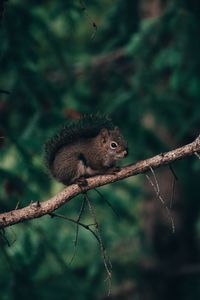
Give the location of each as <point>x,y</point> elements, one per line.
<point>113,171</point>
<point>82,182</point>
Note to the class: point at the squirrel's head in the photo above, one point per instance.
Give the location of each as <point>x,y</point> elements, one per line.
<point>113,142</point>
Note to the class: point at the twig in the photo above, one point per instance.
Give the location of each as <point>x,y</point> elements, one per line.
<point>87,227</point>
<point>17,205</point>
<point>156,182</point>
<point>32,211</point>
<point>108,203</point>
<point>197,155</point>
<point>175,178</point>
<point>157,191</point>
<point>96,234</point>
<point>173,172</point>
<point>172,193</point>
<point>106,259</point>
<point>77,230</point>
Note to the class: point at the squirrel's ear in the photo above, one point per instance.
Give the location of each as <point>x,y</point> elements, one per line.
<point>116,129</point>
<point>104,134</point>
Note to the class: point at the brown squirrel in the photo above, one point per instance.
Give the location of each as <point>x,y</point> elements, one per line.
<point>84,148</point>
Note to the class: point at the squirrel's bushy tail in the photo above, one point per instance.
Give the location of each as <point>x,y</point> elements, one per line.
<point>87,127</point>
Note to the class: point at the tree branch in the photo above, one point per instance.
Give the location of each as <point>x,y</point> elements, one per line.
<point>39,209</point>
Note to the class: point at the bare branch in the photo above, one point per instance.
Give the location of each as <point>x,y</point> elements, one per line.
<point>105,257</point>
<point>77,230</point>
<point>86,226</point>
<point>175,179</point>
<point>39,209</point>
<point>108,203</point>
<point>197,155</point>
<point>157,191</point>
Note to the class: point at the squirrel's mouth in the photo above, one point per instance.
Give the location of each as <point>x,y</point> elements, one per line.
<point>122,155</point>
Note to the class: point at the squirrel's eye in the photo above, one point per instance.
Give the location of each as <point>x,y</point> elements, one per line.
<point>113,145</point>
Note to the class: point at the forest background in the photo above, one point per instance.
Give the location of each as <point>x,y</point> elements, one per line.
<point>138,61</point>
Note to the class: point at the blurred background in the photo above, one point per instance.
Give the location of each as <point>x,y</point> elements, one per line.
<point>138,61</point>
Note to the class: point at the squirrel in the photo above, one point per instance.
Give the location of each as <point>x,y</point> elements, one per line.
<point>90,146</point>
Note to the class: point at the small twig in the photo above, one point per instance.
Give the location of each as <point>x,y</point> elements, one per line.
<point>197,155</point>
<point>106,259</point>
<point>157,191</point>
<point>173,172</point>
<point>87,227</point>
<point>77,230</point>
<point>96,235</point>
<point>175,178</point>
<point>172,193</point>
<point>17,205</point>
<point>108,203</point>
<point>156,181</point>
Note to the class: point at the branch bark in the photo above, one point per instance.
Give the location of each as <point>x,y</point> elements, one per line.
<point>39,209</point>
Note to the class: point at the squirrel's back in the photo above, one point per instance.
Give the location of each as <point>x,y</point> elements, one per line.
<point>87,127</point>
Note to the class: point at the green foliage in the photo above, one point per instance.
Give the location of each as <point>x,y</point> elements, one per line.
<point>56,65</point>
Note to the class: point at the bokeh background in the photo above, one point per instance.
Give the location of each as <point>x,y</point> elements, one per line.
<point>138,61</point>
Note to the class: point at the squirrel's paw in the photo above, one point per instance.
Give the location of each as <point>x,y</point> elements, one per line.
<point>82,182</point>
<point>113,171</point>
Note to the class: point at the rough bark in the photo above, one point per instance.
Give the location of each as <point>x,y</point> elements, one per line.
<point>38,209</point>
